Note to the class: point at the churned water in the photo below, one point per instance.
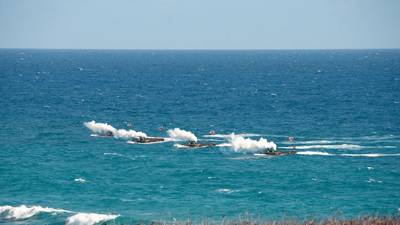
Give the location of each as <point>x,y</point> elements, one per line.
<point>342,107</point>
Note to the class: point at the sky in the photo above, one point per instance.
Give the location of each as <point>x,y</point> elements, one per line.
<point>200,24</point>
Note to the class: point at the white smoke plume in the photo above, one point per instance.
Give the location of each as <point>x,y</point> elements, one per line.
<point>181,135</point>
<point>100,128</point>
<point>128,134</point>
<point>240,143</point>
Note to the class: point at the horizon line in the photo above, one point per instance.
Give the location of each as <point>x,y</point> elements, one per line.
<point>203,49</point>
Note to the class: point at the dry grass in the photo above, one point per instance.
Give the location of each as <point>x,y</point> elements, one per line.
<point>369,220</point>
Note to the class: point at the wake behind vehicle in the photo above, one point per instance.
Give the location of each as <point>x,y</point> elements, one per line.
<point>272,152</point>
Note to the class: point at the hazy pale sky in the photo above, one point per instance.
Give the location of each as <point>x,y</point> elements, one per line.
<point>200,24</point>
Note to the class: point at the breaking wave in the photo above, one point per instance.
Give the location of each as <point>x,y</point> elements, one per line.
<point>240,143</point>
<point>24,212</point>
<point>100,128</point>
<point>181,135</point>
<point>89,218</point>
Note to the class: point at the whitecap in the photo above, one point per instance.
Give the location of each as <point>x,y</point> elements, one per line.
<point>89,218</point>
<point>112,153</point>
<point>371,180</point>
<point>226,190</point>
<point>80,180</point>
<point>24,212</point>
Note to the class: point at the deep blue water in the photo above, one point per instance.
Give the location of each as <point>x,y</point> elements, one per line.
<point>345,103</point>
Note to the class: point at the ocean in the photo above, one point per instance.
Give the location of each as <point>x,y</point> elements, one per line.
<point>341,106</point>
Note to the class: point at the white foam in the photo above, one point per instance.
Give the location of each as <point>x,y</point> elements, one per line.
<point>80,180</point>
<point>224,145</point>
<point>89,218</point>
<point>262,155</point>
<point>119,155</point>
<point>129,134</point>
<point>240,143</point>
<point>372,155</point>
<point>100,128</point>
<point>347,155</point>
<point>341,146</point>
<point>187,147</point>
<point>112,153</point>
<point>314,153</point>
<point>180,146</point>
<point>181,135</point>
<point>24,212</point>
<point>226,190</point>
<point>371,180</point>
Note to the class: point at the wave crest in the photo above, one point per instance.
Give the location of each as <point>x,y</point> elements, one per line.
<point>24,212</point>
<point>89,218</point>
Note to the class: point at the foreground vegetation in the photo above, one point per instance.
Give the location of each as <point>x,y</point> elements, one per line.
<point>359,221</point>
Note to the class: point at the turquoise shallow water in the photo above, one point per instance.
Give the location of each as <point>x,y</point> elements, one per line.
<point>342,106</point>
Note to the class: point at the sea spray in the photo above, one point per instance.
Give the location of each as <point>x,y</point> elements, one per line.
<point>240,143</point>
<point>101,128</point>
<point>181,135</point>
